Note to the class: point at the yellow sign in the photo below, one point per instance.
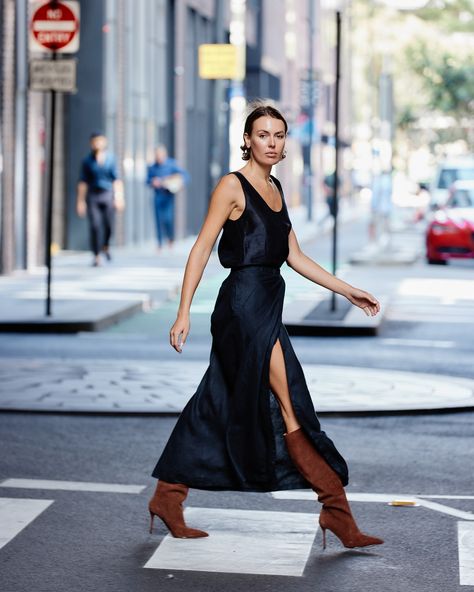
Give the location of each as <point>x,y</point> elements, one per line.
<point>220,60</point>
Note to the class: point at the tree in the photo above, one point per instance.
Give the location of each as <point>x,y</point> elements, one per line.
<point>448,79</point>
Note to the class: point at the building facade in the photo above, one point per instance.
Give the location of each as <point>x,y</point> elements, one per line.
<point>138,81</point>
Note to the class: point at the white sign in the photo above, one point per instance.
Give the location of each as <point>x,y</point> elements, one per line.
<point>54,26</point>
<point>59,75</point>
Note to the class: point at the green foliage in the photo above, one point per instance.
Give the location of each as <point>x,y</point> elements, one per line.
<point>447,78</point>
<point>449,15</point>
<point>406,117</point>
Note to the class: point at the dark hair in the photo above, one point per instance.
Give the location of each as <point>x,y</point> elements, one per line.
<point>96,134</point>
<point>260,111</point>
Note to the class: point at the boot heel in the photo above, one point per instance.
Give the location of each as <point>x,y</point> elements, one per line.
<point>152,516</point>
<point>324,537</point>
<point>167,505</point>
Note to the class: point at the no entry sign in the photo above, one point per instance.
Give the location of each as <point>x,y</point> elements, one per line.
<point>55,26</point>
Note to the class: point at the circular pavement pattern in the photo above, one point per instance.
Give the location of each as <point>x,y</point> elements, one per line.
<point>165,387</point>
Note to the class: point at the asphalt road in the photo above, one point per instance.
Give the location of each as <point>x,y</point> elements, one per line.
<point>89,540</point>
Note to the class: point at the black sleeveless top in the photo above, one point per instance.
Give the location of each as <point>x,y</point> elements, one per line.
<point>260,235</point>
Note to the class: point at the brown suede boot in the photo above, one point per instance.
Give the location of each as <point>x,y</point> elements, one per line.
<point>336,514</point>
<point>167,504</point>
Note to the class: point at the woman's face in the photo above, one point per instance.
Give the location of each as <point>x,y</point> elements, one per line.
<point>267,140</point>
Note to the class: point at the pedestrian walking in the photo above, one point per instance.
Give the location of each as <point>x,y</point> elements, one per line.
<point>329,185</point>
<point>99,194</point>
<point>166,178</point>
<point>251,424</point>
<point>381,206</point>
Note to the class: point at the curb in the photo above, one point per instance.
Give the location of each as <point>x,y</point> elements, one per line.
<point>55,325</point>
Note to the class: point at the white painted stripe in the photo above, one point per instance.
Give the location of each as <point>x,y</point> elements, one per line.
<point>446,509</point>
<point>418,343</point>
<point>241,541</point>
<point>466,553</point>
<point>453,497</point>
<point>393,316</point>
<point>380,497</point>
<point>72,486</point>
<point>68,26</point>
<point>306,494</point>
<point>351,496</point>
<point>16,514</point>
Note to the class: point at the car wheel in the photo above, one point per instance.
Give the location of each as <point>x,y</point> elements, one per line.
<point>437,261</point>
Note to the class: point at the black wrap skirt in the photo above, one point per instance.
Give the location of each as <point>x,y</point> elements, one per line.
<point>230,434</point>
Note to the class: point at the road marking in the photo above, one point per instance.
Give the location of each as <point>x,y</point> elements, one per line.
<point>300,494</point>
<point>466,553</point>
<point>241,541</point>
<point>418,343</point>
<point>454,497</point>
<point>383,498</point>
<point>16,514</point>
<point>71,486</point>
<point>446,509</point>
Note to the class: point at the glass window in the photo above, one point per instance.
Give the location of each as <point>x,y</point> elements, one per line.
<point>462,198</point>
<point>448,176</point>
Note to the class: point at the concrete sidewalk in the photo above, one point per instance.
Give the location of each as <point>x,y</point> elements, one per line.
<point>162,387</point>
<point>85,298</point>
<point>69,385</point>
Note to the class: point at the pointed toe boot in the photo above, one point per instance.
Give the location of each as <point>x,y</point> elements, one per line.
<point>167,504</point>
<point>336,514</point>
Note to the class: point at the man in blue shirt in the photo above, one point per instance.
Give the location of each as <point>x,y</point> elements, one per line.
<point>166,178</point>
<point>99,194</point>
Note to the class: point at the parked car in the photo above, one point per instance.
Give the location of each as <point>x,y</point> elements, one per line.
<point>450,234</point>
<point>448,172</point>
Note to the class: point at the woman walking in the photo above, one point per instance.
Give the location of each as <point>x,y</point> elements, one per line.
<point>251,425</point>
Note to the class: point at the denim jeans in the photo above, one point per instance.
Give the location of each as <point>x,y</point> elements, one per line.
<point>164,216</point>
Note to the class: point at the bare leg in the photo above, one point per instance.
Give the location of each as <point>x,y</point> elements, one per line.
<point>279,386</point>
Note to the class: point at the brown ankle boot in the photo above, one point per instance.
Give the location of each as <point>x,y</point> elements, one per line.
<point>336,514</point>
<point>167,504</point>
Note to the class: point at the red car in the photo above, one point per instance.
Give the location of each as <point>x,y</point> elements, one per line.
<point>450,234</point>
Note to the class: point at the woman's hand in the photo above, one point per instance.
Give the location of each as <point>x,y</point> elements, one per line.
<point>368,303</point>
<point>179,332</point>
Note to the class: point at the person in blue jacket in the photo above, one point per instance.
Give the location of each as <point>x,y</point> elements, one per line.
<point>99,195</point>
<point>166,178</point>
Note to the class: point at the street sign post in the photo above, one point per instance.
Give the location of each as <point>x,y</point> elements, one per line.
<point>220,61</point>
<point>57,75</point>
<point>54,29</point>
<point>55,26</point>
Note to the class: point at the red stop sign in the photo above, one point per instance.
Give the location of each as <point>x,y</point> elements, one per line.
<point>54,25</point>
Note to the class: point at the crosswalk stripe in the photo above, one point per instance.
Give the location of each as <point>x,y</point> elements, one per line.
<point>241,541</point>
<point>418,343</point>
<point>466,553</point>
<point>383,498</point>
<point>71,486</point>
<point>16,514</point>
<point>446,509</point>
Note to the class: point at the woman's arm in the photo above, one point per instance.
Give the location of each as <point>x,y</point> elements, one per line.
<point>224,199</point>
<point>309,269</point>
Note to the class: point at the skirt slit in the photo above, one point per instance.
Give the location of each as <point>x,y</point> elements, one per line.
<point>230,435</point>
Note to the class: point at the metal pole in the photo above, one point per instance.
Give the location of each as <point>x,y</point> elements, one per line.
<point>49,207</point>
<point>336,148</point>
<point>311,108</point>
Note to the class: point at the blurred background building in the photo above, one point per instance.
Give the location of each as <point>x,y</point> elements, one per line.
<point>138,81</point>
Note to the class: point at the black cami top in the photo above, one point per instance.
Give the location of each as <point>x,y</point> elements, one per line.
<point>260,235</point>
